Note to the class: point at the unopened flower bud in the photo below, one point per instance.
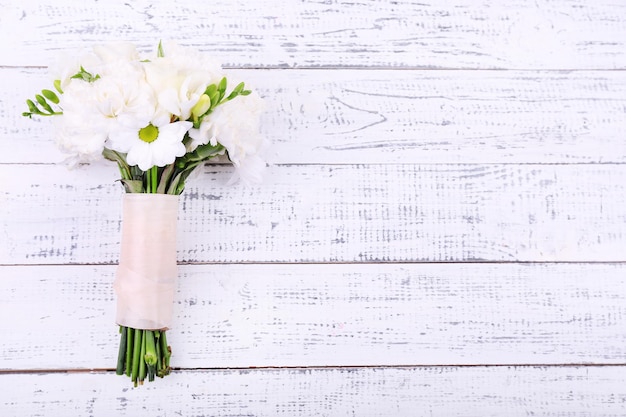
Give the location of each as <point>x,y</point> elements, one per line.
<point>202,106</point>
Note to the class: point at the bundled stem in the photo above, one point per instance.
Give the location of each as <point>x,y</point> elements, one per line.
<point>143,353</point>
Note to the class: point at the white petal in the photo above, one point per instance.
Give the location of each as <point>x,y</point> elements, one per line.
<point>140,155</point>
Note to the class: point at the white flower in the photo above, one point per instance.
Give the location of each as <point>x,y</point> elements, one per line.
<point>156,144</point>
<point>180,78</point>
<point>250,170</point>
<point>179,98</point>
<point>201,136</point>
<point>81,131</point>
<point>100,60</point>
<point>235,124</point>
<point>125,99</point>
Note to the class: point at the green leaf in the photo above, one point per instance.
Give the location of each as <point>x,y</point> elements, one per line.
<point>50,95</point>
<point>178,184</point>
<point>133,186</point>
<point>245,93</point>
<point>200,154</point>
<point>85,76</point>
<point>165,177</point>
<point>111,155</point>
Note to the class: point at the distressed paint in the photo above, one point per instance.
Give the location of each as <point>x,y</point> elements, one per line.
<point>398,146</point>
<point>332,213</point>
<point>564,34</point>
<point>329,315</point>
<point>439,391</point>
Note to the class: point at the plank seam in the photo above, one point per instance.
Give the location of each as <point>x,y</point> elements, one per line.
<point>465,262</point>
<point>323,368</point>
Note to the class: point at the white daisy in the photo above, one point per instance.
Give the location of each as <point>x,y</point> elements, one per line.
<point>157,144</point>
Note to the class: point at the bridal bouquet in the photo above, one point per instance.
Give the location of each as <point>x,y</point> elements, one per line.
<point>158,117</point>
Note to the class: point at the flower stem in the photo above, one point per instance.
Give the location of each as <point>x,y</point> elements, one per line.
<point>142,354</point>
<point>136,352</point>
<point>152,179</point>
<point>129,349</point>
<point>121,355</point>
<point>150,357</point>
<point>166,353</point>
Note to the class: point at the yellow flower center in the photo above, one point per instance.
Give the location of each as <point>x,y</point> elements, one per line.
<point>149,133</point>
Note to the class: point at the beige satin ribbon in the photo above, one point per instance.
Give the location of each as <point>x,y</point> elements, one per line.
<point>146,276</point>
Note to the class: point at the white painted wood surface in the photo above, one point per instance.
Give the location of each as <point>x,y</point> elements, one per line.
<point>230,316</point>
<point>437,236</point>
<point>333,213</point>
<point>521,34</point>
<point>434,391</point>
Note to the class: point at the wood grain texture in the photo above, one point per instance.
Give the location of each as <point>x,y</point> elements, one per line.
<point>437,237</point>
<point>324,116</point>
<point>449,391</point>
<point>565,34</point>
<point>332,213</point>
<point>329,315</point>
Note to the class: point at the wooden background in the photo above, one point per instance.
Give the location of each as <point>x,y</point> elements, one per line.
<point>442,231</point>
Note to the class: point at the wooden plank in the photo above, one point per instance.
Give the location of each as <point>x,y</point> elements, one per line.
<point>568,34</point>
<point>326,116</point>
<point>449,391</point>
<point>332,213</point>
<point>62,317</point>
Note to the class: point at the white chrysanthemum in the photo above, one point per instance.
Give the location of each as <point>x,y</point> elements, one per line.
<point>156,144</point>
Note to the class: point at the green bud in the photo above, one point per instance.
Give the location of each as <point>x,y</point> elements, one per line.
<point>50,95</point>
<point>202,106</point>
<point>42,101</point>
<point>32,107</point>
<point>222,85</point>
<point>57,86</point>
<point>215,99</point>
<point>210,90</point>
<point>160,52</point>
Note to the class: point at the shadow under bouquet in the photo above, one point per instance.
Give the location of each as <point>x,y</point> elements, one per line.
<point>158,117</point>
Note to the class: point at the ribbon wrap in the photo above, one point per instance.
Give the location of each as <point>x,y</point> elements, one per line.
<point>146,277</point>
